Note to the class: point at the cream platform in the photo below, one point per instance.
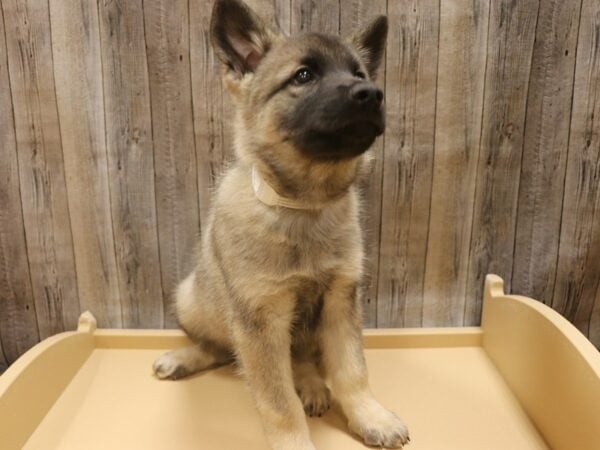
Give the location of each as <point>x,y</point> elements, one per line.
<point>525,379</point>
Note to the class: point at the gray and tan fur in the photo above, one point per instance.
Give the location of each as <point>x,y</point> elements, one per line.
<point>276,288</point>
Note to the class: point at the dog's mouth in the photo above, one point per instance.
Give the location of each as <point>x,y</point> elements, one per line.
<point>363,127</point>
<point>343,141</point>
<point>365,123</point>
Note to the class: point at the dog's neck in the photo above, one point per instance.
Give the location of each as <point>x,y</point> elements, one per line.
<point>269,196</point>
<point>300,192</point>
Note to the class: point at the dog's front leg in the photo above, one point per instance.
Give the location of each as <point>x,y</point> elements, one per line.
<point>263,341</point>
<point>341,340</point>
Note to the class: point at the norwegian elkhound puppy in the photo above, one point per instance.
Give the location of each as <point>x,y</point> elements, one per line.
<point>276,283</point>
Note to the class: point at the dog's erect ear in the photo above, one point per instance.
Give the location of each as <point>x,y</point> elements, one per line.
<point>370,43</point>
<point>239,36</point>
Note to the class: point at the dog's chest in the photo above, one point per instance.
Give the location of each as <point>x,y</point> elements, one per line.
<point>317,246</point>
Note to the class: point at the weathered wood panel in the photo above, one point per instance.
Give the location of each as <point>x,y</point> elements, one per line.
<point>211,107</point>
<point>322,16</point>
<point>78,76</point>
<point>594,328</point>
<point>3,360</point>
<point>41,168</point>
<point>131,162</point>
<point>578,278</point>
<point>168,53</point>
<point>353,16</point>
<point>510,44</point>
<point>411,72</point>
<point>544,149</point>
<point>460,84</point>
<point>121,128</point>
<point>18,324</point>
<point>276,13</point>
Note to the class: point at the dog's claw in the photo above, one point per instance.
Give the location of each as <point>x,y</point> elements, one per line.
<point>379,427</point>
<point>315,399</point>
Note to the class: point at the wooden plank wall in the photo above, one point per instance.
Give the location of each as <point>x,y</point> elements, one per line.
<point>114,130</point>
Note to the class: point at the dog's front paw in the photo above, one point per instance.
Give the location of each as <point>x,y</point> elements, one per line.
<point>379,427</point>
<point>315,398</point>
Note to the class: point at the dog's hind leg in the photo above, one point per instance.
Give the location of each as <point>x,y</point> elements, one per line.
<point>185,361</point>
<point>198,318</point>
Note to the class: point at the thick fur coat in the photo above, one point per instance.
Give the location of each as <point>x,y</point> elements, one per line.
<point>276,288</point>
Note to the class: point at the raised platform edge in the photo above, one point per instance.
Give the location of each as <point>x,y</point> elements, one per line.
<point>30,386</point>
<point>552,369</point>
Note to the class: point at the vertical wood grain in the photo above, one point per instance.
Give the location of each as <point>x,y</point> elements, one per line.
<point>168,53</point>
<point>545,149</point>
<point>114,129</point>
<point>211,106</point>
<point>41,170</point>
<point>322,17</point>
<point>578,278</point>
<point>283,15</point>
<point>353,16</point>
<point>460,85</point>
<point>3,360</point>
<point>510,43</point>
<point>411,72</point>
<point>18,324</point>
<point>276,13</point>
<point>594,329</point>
<point>131,162</point>
<point>78,76</point>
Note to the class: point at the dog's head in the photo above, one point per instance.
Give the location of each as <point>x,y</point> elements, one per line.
<point>309,96</point>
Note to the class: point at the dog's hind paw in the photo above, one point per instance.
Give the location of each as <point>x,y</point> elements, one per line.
<point>182,362</point>
<point>167,367</point>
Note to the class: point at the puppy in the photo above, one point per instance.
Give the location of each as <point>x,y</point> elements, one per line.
<point>276,283</point>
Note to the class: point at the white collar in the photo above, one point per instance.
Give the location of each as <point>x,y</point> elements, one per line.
<point>266,194</point>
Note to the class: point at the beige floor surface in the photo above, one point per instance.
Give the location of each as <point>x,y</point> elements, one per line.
<point>451,399</point>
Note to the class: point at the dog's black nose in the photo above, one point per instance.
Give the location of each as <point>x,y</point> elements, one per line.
<point>366,94</point>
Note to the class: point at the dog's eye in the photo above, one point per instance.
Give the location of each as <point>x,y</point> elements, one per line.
<point>303,76</point>
<point>360,74</point>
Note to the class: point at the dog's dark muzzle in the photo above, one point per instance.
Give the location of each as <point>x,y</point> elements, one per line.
<point>366,96</point>
<point>340,121</point>
<point>361,109</point>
